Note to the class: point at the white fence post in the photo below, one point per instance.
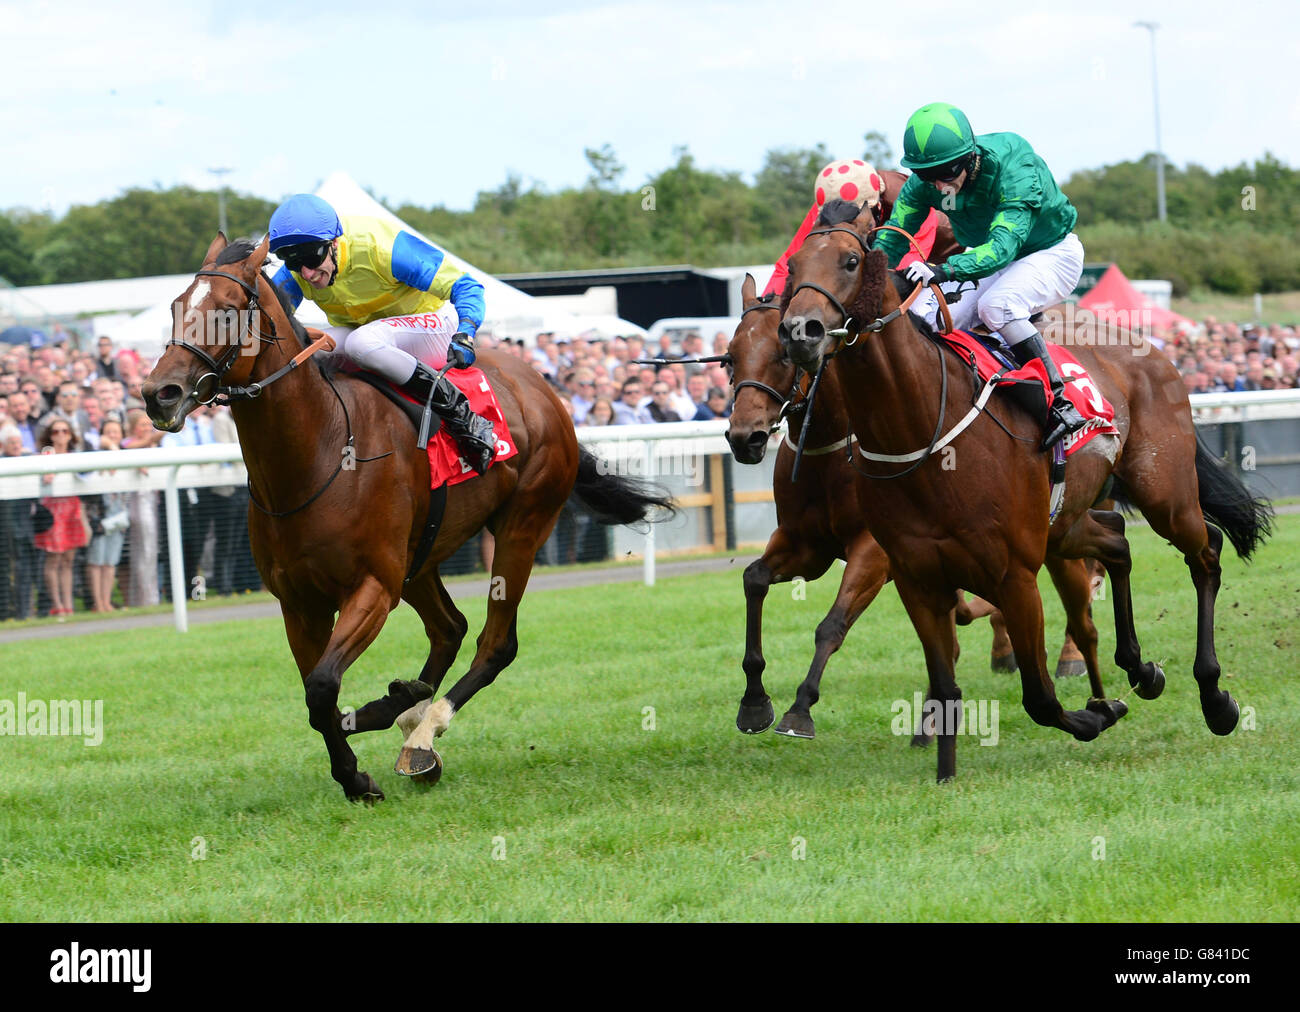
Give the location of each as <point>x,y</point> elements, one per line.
<point>649,564</point>
<point>175,558</point>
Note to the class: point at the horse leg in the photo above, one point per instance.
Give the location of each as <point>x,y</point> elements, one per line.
<point>1023,610</point>
<point>361,617</point>
<point>445,627</point>
<point>1100,534</point>
<point>932,616</point>
<point>1002,656</point>
<point>785,557</point>
<point>1178,519</point>
<point>865,572</point>
<point>518,540</point>
<point>1220,710</point>
<point>1073,582</point>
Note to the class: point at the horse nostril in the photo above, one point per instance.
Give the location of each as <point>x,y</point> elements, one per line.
<point>168,395</point>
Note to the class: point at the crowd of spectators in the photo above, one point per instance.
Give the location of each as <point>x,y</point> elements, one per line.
<point>102,547</point>
<point>601,382</point>
<point>1219,357</point>
<point>98,548</point>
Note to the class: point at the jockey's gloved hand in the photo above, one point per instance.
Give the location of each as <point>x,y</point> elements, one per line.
<point>921,273</point>
<point>460,353</point>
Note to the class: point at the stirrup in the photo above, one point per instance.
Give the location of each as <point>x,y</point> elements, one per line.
<point>1061,425</point>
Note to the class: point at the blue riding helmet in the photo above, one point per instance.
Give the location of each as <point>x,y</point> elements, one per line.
<point>304,217</point>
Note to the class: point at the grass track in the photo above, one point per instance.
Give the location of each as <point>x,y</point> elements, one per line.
<point>557,804</point>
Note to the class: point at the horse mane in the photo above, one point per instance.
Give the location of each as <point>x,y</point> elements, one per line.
<point>871,293</point>
<point>838,212</point>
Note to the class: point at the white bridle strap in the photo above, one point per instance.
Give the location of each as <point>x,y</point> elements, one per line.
<point>822,449</point>
<point>953,433</point>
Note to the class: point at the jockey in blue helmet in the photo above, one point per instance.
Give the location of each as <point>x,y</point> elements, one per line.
<point>395,306</point>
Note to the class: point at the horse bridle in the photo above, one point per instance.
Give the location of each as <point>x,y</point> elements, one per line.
<point>787,401</point>
<point>218,367</point>
<point>877,325</point>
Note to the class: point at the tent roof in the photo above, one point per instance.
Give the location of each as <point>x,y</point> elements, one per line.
<point>1114,294</point>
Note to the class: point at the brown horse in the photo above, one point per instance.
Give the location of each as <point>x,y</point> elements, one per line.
<point>984,525</point>
<point>821,517</point>
<point>330,539</point>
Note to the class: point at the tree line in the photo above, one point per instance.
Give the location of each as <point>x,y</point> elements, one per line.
<point>1227,231</point>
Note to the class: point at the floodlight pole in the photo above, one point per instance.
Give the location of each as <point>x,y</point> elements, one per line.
<point>221,198</point>
<point>1151,26</point>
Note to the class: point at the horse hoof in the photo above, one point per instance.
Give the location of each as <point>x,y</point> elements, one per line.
<point>922,740</point>
<point>1007,663</point>
<point>1070,669</point>
<point>1110,710</point>
<point>413,691</point>
<point>368,793</point>
<point>1221,714</point>
<point>432,776</point>
<point>1149,682</point>
<point>755,719</point>
<point>414,761</point>
<point>796,725</point>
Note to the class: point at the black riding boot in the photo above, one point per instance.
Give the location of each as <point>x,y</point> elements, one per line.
<point>473,433</point>
<point>1063,417</point>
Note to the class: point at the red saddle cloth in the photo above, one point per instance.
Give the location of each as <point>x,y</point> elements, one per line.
<point>1083,393</point>
<point>445,461</point>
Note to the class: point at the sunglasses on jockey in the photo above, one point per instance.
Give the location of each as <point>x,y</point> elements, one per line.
<point>945,173</point>
<point>307,254</point>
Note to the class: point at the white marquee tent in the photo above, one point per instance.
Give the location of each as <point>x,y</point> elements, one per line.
<point>510,312</point>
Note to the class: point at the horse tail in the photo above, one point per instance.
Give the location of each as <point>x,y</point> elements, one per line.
<point>1247,519</point>
<point>615,500</point>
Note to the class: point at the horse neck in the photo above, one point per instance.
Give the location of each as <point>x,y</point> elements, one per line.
<point>895,384</point>
<point>286,429</point>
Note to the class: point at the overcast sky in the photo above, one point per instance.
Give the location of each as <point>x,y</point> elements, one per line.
<point>430,103</point>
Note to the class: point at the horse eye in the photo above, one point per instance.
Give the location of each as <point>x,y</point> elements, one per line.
<point>851,264</point>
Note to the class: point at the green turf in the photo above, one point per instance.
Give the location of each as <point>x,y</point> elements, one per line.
<point>210,797</point>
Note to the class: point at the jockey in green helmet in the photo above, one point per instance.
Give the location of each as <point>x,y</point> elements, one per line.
<point>1017,227</point>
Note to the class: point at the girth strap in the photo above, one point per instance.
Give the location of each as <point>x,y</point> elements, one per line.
<point>437,508</point>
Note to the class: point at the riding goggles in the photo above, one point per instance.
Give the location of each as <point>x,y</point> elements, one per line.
<point>308,254</point>
<point>945,173</point>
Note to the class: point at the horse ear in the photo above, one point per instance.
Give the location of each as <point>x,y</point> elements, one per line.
<point>748,289</point>
<point>258,256</point>
<point>218,244</point>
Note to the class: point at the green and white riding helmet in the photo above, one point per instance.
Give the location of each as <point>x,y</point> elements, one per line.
<point>936,134</point>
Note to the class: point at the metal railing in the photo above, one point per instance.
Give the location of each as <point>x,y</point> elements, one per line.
<point>722,504</point>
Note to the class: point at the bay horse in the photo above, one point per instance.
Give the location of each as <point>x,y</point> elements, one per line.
<point>984,525</point>
<point>822,517</point>
<point>330,539</point>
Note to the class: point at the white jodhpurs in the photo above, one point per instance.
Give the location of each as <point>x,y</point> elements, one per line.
<point>1016,292</point>
<point>392,346</point>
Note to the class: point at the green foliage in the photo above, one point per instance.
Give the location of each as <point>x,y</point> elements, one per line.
<point>1227,232</point>
<point>16,265</point>
<point>877,150</point>
<point>141,232</point>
